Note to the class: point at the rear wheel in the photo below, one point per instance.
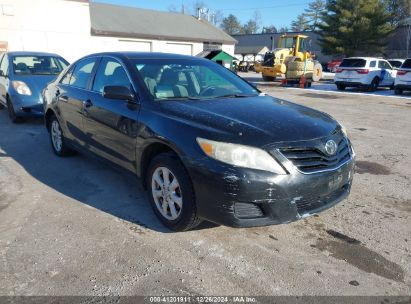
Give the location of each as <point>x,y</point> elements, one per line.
<point>374,84</point>
<point>397,91</point>
<point>340,87</point>
<point>171,193</point>
<point>57,139</point>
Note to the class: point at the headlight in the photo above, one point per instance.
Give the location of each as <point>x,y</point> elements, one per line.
<point>21,87</point>
<point>241,156</point>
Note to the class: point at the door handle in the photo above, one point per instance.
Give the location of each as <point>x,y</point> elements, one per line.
<point>87,103</point>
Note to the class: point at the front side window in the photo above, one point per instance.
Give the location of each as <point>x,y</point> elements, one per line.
<point>190,79</point>
<point>82,73</point>
<point>110,73</point>
<point>38,65</point>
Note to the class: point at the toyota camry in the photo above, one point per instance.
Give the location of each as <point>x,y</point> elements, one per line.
<point>206,144</point>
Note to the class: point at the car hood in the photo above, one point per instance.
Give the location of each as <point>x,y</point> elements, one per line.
<point>257,121</point>
<point>36,83</point>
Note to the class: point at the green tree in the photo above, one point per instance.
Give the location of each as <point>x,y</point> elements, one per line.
<point>313,13</point>
<point>300,24</point>
<point>355,27</point>
<point>400,10</point>
<point>250,27</point>
<point>269,29</point>
<point>231,25</point>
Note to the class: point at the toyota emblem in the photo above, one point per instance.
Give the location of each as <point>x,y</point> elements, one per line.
<point>331,147</point>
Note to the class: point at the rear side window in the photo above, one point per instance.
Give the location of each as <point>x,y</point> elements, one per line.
<point>373,64</point>
<point>82,72</point>
<point>353,63</point>
<point>407,64</point>
<point>384,65</point>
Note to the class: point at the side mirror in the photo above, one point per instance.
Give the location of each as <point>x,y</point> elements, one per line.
<point>118,92</point>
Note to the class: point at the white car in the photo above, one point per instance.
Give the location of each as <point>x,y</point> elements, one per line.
<point>366,72</point>
<point>403,79</point>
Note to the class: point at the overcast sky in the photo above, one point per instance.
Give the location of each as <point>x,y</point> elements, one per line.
<point>277,12</point>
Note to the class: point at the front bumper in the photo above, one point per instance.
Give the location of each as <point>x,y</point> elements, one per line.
<point>27,106</point>
<point>239,197</point>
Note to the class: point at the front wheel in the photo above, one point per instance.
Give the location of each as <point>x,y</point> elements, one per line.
<point>374,84</point>
<point>340,87</point>
<point>268,78</point>
<point>12,114</point>
<point>397,91</point>
<point>57,139</point>
<point>171,193</point>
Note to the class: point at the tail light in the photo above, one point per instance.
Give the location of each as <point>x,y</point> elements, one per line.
<point>401,73</point>
<point>363,71</point>
<point>338,70</point>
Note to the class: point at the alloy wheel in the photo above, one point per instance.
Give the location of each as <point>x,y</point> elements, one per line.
<point>166,193</point>
<point>56,136</point>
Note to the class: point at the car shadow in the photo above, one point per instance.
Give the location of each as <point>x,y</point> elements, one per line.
<point>80,178</point>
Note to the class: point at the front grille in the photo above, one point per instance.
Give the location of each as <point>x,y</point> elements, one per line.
<point>247,210</point>
<point>308,204</point>
<point>313,159</point>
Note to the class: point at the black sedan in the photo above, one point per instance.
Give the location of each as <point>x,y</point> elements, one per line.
<point>206,144</point>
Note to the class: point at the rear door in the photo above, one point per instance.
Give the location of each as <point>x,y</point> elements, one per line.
<point>72,93</point>
<point>387,76</point>
<point>111,125</point>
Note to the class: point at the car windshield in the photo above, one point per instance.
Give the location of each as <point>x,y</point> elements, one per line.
<point>38,65</point>
<point>191,79</point>
<point>353,63</point>
<point>406,64</point>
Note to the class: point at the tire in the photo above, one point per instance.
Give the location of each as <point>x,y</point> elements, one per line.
<point>12,114</point>
<point>57,139</point>
<point>174,201</point>
<point>374,84</point>
<point>268,78</point>
<point>317,72</point>
<point>398,92</point>
<point>340,87</point>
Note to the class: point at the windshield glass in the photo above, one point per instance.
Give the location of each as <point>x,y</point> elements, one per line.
<point>190,79</point>
<point>406,64</point>
<point>353,63</point>
<point>287,42</point>
<point>395,63</point>
<point>38,65</point>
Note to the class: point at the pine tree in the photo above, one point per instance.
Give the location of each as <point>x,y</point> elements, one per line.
<point>231,25</point>
<point>313,13</point>
<point>300,24</point>
<point>355,27</point>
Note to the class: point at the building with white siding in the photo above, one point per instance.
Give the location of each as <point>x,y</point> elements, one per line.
<point>74,28</point>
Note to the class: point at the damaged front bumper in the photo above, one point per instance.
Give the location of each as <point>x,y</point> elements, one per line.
<point>240,197</point>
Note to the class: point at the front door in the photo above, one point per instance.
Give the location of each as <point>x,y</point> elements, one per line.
<point>111,125</point>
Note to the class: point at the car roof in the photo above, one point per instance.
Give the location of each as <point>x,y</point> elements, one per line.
<point>366,58</point>
<point>144,55</point>
<point>28,53</point>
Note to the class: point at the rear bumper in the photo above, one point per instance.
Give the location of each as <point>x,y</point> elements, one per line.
<point>406,87</point>
<point>351,84</point>
<point>240,197</point>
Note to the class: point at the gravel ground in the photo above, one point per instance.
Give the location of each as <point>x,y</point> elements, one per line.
<point>74,226</point>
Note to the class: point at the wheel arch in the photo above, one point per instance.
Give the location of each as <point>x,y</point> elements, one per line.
<point>151,151</point>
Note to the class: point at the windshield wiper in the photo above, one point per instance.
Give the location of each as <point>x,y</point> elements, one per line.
<point>179,98</point>
<point>236,96</point>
